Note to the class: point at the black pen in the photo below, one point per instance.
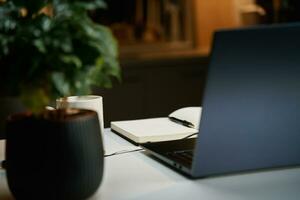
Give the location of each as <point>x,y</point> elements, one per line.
<point>182,122</point>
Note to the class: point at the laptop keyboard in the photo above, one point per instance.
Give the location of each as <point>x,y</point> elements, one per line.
<point>185,155</point>
<point>177,152</point>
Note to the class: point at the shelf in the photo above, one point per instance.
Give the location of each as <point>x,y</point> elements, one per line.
<point>145,27</point>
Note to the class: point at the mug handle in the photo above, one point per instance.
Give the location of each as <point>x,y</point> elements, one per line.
<point>49,108</point>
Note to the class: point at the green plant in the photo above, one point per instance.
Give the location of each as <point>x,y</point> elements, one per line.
<point>51,48</point>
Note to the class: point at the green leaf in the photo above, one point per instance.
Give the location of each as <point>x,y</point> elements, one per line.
<point>72,59</point>
<point>60,83</point>
<point>91,5</point>
<point>39,44</point>
<point>82,85</point>
<point>35,99</point>
<point>109,45</point>
<point>113,67</point>
<point>46,23</point>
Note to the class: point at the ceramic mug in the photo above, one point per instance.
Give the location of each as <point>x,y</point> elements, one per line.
<point>89,102</point>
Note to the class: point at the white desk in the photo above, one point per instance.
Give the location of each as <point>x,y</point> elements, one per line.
<point>136,176</point>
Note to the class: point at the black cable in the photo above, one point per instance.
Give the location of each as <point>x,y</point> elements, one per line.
<point>3,163</point>
<point>123,152</point>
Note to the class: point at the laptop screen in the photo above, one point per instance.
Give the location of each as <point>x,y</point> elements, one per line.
<point>251,107</point>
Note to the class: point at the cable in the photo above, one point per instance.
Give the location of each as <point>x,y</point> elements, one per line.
<point>3,163</point>
<point>3,166</point>
<point>123,152</point>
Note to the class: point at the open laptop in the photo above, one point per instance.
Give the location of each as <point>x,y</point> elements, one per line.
<point>251,107</point>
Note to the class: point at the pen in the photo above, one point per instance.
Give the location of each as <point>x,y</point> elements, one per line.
<point>182,122</point>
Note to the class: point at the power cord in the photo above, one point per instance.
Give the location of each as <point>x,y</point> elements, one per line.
<point>123,152</point>
<point>3,163</point>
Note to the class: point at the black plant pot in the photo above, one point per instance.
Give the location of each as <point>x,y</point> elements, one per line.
<point>9,106</point>
<point>58,155</point>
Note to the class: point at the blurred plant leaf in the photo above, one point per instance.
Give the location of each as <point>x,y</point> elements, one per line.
<point>71,59</point>
<point>39,44</point>
<point>60,83</point>
<point>91,5</point>
<point>35,99</point>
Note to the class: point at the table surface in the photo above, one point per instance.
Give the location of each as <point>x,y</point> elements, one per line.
<point>137,176</point>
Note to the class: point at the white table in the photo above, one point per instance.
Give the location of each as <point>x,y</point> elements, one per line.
<point>139,177</point>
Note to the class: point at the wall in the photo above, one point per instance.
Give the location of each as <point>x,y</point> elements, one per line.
<point>154,88</point>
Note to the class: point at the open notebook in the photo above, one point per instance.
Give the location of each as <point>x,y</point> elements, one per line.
<point>173,127</point>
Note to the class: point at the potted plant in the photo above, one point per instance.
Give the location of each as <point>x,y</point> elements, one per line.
<point>55,51</point>
<point>50,49</point>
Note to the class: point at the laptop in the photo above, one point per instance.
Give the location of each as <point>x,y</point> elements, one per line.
<point>251,107</point>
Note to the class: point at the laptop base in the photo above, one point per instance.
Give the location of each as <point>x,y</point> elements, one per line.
<point>177,153</point>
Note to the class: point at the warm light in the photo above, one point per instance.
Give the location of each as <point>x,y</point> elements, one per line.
<point>23,12</point>
<point>47,10</point>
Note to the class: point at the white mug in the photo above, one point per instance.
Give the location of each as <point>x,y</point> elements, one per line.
<point>89,102</point>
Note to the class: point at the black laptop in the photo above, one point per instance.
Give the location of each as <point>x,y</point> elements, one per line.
<point>251,107</point>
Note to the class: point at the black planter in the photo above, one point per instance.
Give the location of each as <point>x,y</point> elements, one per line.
<point>9,106</point>
<point>58,155</point>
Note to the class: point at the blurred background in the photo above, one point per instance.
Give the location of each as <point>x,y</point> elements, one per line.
<point>165,47</point>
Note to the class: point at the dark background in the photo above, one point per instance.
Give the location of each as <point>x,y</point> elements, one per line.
<point>154,88</point>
